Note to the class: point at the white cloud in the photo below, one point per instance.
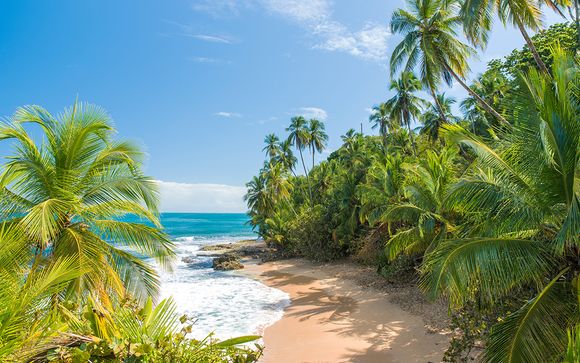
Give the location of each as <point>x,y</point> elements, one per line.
<point>315,16</point>
<point>300,10</point>
<point>188,31</point>
<point>201,198</point>
<point>228,114</point>
<point>217,7</point>
<point>369,43</point>
<point>210,38</point>
<point>313,112</point>
<point>207,60</point>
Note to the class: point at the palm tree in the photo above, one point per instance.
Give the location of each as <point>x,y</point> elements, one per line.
<point>477,16</point>
<point>432,120</point>
<point>317,137</point>
<point>286,156</point>
<point>405,106</point>
<point>383,185</point>
<point>259,203</point>
<point>381,117</point>
<point>300,138</point>
<point>26,314</point>
<point>430,40</point>
<point>272,148</point>
<point>68,194</point>
<point>524,196</point>
<point>425,211</point>
<point>492,86</point>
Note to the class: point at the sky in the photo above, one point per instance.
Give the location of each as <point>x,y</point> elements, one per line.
<point>199,83</point>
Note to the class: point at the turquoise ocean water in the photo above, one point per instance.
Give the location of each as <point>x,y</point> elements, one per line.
<point>225,303</point>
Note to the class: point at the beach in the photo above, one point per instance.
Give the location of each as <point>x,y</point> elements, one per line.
<point>339,314</point>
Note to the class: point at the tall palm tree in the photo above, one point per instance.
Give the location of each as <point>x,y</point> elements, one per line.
<point>523,194</point>
<point>317,137</point>
<point>432,120</point>
<point>272,148</point>
<point>286,156</point>
<point>430,40</point>
<point>68,194</point>
<point>405,106</point>
<point>381,117</point>
<point>300,138</point>
<point>477,17</point>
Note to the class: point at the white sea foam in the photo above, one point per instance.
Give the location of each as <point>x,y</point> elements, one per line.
<point>225,303</point>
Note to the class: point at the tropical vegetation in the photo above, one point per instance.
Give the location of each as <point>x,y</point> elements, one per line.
<point>74,282</point>
<point>482,207</point>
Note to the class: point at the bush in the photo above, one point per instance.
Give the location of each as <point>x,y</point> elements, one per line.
<point>141,334</point>
<point>310,235</point>
<point>400,270</point>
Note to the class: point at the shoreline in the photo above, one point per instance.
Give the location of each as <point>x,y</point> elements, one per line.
<point>332,317</point>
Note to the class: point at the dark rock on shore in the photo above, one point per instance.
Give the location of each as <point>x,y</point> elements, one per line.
<point>227,262</point>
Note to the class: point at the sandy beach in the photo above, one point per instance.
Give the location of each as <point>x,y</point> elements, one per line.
<point>334,318</point>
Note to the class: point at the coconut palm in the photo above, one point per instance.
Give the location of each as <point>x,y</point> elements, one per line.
<point>68,194</point>
<point>425,210</point>
<point>259,203</point>
<point>477,17</point>
<point>300,138</point>
<point>432,120</point>
<point>383,185</point>
<point>381,118</point>
<point>277,183</point>
<point>405,106</point>
<point>317,137</point>
<point>272,148</point>
<point>430,41</point>
<point>286,156</point>
<point>524,192</point>
<point>27,322</point>
<point>492,86</point>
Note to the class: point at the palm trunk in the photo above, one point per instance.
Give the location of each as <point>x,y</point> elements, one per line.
<point>532,47</point>
<point>577,8</point>
<point>306,173</point>
<point>408,122</point>
<point>481,101</point>
<point>312,158</point>
<point>437,104</point>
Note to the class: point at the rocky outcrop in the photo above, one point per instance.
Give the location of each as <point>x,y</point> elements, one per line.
<point>227,262</point>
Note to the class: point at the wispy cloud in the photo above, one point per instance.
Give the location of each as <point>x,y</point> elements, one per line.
<point>207,60</point>
<point>316,17</point>
<point>228,114</point>
<point>189,32</point>
<point>210,38</point>
<point>208,198</point>
<point>313,112</point>
<point>219,7</point>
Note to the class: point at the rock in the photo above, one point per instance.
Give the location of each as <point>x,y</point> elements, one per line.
<point>227,262</point>
<point>189,259</point>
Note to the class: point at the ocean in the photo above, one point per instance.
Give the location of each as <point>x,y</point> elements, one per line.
<point>225,303</point>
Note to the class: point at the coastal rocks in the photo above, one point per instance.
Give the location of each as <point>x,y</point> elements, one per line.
<point>189,259</point>
<point>227,262</point>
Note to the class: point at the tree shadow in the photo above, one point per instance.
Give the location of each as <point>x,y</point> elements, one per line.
<point>338,309</point>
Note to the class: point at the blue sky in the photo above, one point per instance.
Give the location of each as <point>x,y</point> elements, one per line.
<point>200,82</point>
